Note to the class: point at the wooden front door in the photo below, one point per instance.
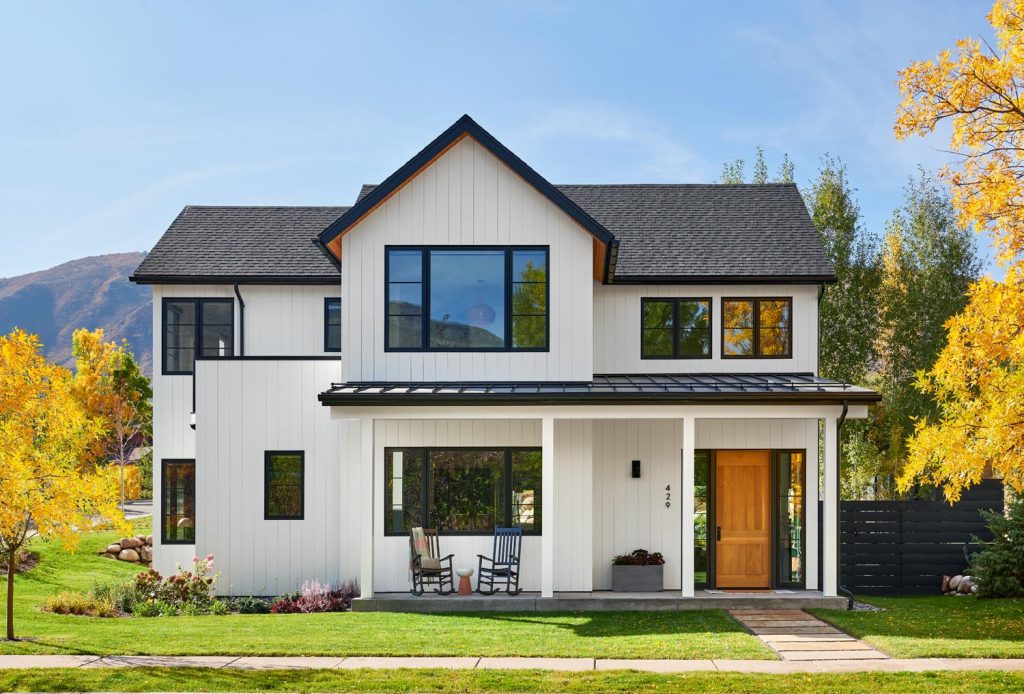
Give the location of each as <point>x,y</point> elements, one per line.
<point>743,556</point>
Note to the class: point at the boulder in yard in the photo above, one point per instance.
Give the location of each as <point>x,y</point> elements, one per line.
<point>149,540</point>
<point>128,555</point>
<point>114,548</point>
<point>954,582</point>
<point>131,543</point>
<point>146,554</point>
<point>945,584</point>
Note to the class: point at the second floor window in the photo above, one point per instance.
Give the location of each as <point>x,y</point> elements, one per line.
<point>196,327</point>
<point>759,328</point>
<point>675,328</point>
<point>447,299</point>
<point>332,324</point>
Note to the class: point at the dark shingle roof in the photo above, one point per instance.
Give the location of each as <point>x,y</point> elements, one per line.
<point>273,244</point>
<point>665,232</point>
<point>705,231</point>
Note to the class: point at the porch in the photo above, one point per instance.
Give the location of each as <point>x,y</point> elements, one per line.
<point>611,469</point>
<point>600,601</point>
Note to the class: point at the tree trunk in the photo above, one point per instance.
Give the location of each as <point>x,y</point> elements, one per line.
<point>11,563</point>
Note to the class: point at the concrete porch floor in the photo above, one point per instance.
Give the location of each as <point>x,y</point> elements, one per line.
<point>596,601</point>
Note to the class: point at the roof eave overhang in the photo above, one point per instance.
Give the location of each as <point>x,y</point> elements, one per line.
<point>236,279</point>
<point>532,400</point>
<point>464,127</point>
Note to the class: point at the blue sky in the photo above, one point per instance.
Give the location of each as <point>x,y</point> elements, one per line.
<point>115,115</point>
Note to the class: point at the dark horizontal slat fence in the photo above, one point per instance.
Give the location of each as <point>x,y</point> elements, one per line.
<point>905,547</point>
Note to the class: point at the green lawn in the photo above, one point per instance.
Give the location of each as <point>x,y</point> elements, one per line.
<point>938,626</point>
<point>691,635</point>
<point>208,680</point>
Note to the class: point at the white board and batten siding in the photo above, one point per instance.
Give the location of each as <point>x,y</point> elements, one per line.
<point>468,197</point>
<point>617,329</point>
<point>279,321</point>
<point>243,409</point>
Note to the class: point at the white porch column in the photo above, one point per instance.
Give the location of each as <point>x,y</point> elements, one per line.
<point>830,525</point>
<point>810,539</point>
<point>366,536</point>
<point>687,504</point>
<point>547,539</point>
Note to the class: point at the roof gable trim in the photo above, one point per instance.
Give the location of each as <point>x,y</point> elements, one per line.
<point>464,127</point>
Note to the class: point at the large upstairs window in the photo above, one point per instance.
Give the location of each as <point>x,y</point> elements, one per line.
<point>196,327</point>
<point>451,299</point>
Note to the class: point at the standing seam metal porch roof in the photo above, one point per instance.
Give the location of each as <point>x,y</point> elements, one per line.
<point>608,389</point>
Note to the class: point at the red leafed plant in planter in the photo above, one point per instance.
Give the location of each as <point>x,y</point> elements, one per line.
<point>639,557</point>
<point>639,571</point>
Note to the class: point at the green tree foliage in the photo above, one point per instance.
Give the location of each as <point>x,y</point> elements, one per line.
<point>847,318</point>
<point>999,566</point>
<point>734,171</point>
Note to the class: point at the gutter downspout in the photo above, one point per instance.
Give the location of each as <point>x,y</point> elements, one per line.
<point>839,507</point>
<point>241,322</point>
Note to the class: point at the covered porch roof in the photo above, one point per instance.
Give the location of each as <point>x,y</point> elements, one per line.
<point>609,389</point>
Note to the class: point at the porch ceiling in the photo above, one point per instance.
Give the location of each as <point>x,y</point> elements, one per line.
<point>604,389</point>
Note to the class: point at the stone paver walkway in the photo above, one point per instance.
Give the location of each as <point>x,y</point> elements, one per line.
<point>798,636</point>
<point>473,663</point>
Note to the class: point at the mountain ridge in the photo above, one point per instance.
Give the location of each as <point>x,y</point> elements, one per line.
<point>91,292</point>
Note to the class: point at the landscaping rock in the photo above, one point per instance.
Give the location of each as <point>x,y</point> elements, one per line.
<point>146,554</point>
<point>945,584</point>
<point>954,582</point>
<point>131,543</point>
<point>114,548</point>
<point>128,555</point>
<point>149,540</point>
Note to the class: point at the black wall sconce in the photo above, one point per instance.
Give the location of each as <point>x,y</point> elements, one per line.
<point>636,469</point>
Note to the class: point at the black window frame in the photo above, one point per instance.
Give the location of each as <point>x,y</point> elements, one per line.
<point>756,301</point>
<point>267,515</point>
<point>424,345</point>
<point>328,300</point>
<point>164,464</point>
<point>198,302</point>
<point>425,451</point>
<point>675,325</point>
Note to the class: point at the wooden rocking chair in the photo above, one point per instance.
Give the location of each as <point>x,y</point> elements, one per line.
<point>503,567</point>
<point>427,565</point>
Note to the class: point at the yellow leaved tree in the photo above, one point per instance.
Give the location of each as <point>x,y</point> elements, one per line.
<point>978,379</point>
<point>47,486</point>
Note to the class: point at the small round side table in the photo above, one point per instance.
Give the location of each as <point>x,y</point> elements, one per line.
<point>465,586</point>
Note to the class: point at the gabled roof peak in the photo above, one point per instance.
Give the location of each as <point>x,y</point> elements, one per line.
<point>465,126</point>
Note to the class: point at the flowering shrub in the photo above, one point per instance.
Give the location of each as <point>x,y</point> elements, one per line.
<point>639,557</point>
<point>186,592</point>
<point>317,597</point>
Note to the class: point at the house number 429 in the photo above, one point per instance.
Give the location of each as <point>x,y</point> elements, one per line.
<point>668,495</point>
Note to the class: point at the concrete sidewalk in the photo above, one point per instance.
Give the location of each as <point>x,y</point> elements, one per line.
<point>253,663</point>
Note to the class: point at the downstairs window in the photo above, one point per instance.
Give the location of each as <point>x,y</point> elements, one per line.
<point>462,491</point>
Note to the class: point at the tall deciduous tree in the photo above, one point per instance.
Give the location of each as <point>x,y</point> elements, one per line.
<point>45,489</point>
<point>978,378</point>
<point>113,389</point>
<point>928,262</point>
<point>847,312</point>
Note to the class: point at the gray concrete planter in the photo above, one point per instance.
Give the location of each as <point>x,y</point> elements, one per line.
<point>637,579</point>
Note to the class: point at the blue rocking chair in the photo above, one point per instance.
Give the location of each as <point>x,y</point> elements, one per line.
<point>502,568</point>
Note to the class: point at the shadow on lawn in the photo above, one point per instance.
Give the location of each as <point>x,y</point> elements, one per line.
<point>612,624</point>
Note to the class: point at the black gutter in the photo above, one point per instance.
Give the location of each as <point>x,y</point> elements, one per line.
<point>241,322</point>
<point>236,279</point>
<point>327,252</point>
<point>400,399</point>
<point>839,508</point>
<point>724,279</point>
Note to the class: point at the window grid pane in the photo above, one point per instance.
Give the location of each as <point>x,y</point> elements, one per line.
<point>332,325</point>
<point>675,328</point>
<point>284,486</point>
<point>178,482</point>
<point>462,491</point>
